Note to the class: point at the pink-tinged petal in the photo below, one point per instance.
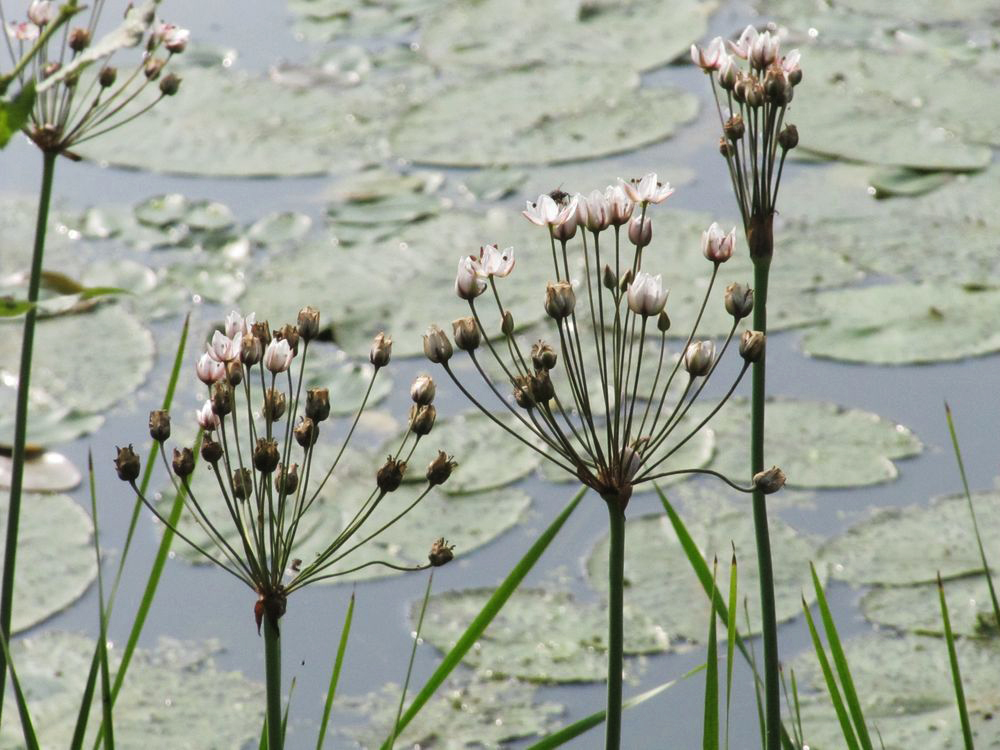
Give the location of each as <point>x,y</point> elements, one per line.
<point>209,370</point>
<point>207,418</point>
<point>468,280</point>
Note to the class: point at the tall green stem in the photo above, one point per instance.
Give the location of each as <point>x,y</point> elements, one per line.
<point>616,603</point>
<point>769,627</point>
<point>272,671</point>
<point>21,415</point>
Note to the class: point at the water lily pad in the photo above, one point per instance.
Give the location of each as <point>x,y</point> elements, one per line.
<point>163,705</point>
<point>55,558</point>
<point>49,422</point>
<point>347,380</point>
<point>906,324</point>
<point>816,444</point>
<point>209,216</point>
<point>493,184</point>
<point>901,546</point>
<point>894,182</point>
<point>46,472</point>
<point>161,210</point>
<point>661,584</point>
<point>474,713</point>
<point>539,635</point>
<point>112,359</point>
<point>555,124</point>
<point>913,608</point>
<point>280,228</point>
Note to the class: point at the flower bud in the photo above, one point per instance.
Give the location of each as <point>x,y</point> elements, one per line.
<point>381,351</point>
<point>183,462</point>
<point>626,280</point>
<point>390,475</point>
<point>286,481</point>
<point>609,279</point>
<point>274,405</point>
<point>776,86</point>
<point>469,281</point>
<point>265,455</point>
<point>422,419</point>
<point>106,78</point>
<point>646,295</point>
<point>663,322</point>
<point>251,350</point>
<point>728,72</point>
<point>423,390</point>
<point>441,553</point>
<point>752,345</point>
<point>278,355</point>
<point>755,94</point>
<point>211,451</point>
<point>698,358</point>
<point>559,300</point>
<point>306,433</point>
<point>159,425</point>
<point>740,88</point>
<point>734,128</point>
<point>79,39</point>
<point>716,245</point>
<point>234,373</point>
<point>507,323</point>
<point>440,469</point>
<point>290,334</point>
<point>308,323</point>
<point>788,138</point>
<point>153,68</point>
<point>522,392</point>
<point>222,399</point>
<point>640,231</point>
<point>543,356</point>
<point>437,347</point>
<point>739,300</point>
<point>465,331</point>
<point>769,481</point>
<point>726,148</point>
<point>317,404</point>
<point>127,464</point>
<point>209,370</point>
<point>542,389</point>
<point>262,332</point>
<point>242,484</point>
<point>170,84</point>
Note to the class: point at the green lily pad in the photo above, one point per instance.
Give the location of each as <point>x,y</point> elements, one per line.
<point>163,706</point>
<point>493,184</point>
<point>909,182</point>
<point>901,546</point>
<point>816,444</point>
<point>55,561</point>
<point>280,228</point>
<point>109,357</point>
<point>401,208</point>
<point>906,324</point>
<point>539,635</point>
<point>346,380</point>
<point>552,125</point>
<point>913,608</point>
<point>209,216</point>
<point>17,232</point>
<point>374,185</point>
<point>660,583</point>
<point>49,422</point>
<point>477,713</point>
<point>46,472</point>
<point>162,210</point>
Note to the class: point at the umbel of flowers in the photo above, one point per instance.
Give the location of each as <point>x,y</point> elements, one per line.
<point>605,424</point>
<point>259,431</point>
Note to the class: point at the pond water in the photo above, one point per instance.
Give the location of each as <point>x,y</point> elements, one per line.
<point>198,603</point>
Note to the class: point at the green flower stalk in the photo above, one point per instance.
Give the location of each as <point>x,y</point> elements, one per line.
<point>583,403</point>
<point>260,430</point>
<point>755,141</point>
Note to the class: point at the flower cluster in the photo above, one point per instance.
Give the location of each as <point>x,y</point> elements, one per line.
<point>78,100</point>
<point>264,468</point>
<point>622,434</point>
<point>755,137</point>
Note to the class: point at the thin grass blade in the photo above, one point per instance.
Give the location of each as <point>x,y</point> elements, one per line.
<point>831,683</point>
<point>956,673</point>
<point>710,730</point>
<point>335,675</point>
<point>27,727</point>
<point>102,640</point>
<point>730,640</point>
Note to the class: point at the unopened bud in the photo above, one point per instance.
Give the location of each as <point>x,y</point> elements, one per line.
<point>437,347</point>
<point>609,279</point>
<point>170,84</point>
<point>522,392</point>
<point>127,464</point>
<point>769,481</point>
<point>423,390</point>
<point>265,455</point>
<point>739,300</point>
<point>541,387</point>
<point>234,373</point>
<point>154,66</point>
<point>734,128</point>
<point>566,231</point>
<point>752,345</point>
<point>726,148</point>
<point>663,322</point>
<point>317,404</point>
<point>507,323</point>
<point>627,278</point>
<point>159,425</point>
<point>242,484</point>
<point>262,332</point>
<point>776,85</point>
<point>222,398</point>
<point>106,78</point>
<point>306,433</point>
<point>559,300</point>
<point>390,474</point>
<point>211,451</point>
<point>755,94</point>
<point>274,405</point>
<point>381,351</point>
<point>422,419</point>
<point>698,358</point>
<point>290,334</point>
<point>788,138</point>
<point>308,323</point>
<point>286,480</point>
<point>79,39</point>
<point>441,553</point>
<point>183,462</point>
<point>640,231</point>
<point>465,331</point>
<point>543,356</point>
<point>250,350</point>
<point>440,469</point>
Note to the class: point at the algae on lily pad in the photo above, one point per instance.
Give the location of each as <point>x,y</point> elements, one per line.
<point>55,564</point>
<point>661,585</point>
<point>901,546</point>
<point>170,700</point>
<point>916,608</point>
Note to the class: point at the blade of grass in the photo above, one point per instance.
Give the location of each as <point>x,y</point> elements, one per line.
<point>831,682</point>
<point>102,640</point>
<point>577,728</point>
<point>730,639</point>
<point>956,674</point>
<point>335,675</point>
<point>758,698</point>
<point>27,728</point>
<point>486,615</point>
<point>710,731</point>
<point>798,710</point>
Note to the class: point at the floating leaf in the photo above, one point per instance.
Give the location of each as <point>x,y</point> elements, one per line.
<point>280,228</point>
<point>900,546</point>
<point>209,216</point>
<point>346,380</point>
<point>46,472</point>
<point>910,608</point>
<point>161,210</point>
<point>890,182</point>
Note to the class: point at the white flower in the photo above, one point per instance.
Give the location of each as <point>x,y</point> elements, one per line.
<point>729,72</point>
<point>647,190</point>
<point>631,462</point>
<point>278,355</point>
<point>790,62</point>
<point>741,47</point>
<point>236,324</point>
<point>42,12</point>
<point>225,349</point>
<point>716,246</point>
<point>209,369</point>
<point>646,295</point>
<point>764,50</point>
<point>175,39</point>
<point>469,282</point>
<point>496,262</point>
<point>597,210</point>
<point>25,31</point>
<point>207,419</point>
<point>708,58</point>
<point>546,212</point>
<point>619,205</point>
<point>698,357</point>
